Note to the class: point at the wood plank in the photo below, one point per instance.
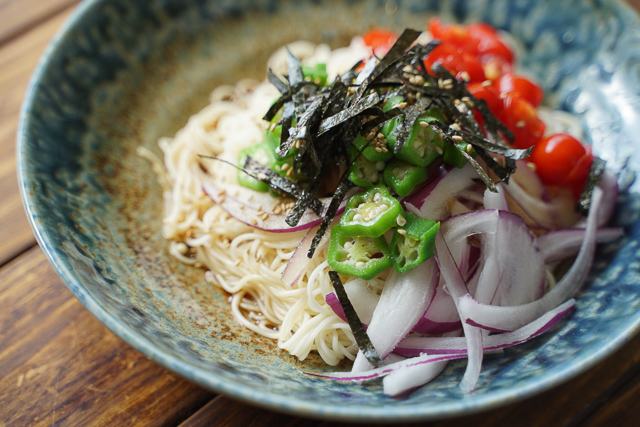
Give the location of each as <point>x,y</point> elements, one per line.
<point>18,16</point>
<point>59,365</point>
<point>17,62</point>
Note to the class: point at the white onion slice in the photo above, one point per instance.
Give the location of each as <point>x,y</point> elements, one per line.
<point>404,299</point>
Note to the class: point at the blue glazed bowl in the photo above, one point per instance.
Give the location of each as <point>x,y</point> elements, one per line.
<point>123,73</point>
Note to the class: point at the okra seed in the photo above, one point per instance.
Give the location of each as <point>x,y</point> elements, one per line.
<point>401,220</point>
<point>359,264</point>
<point>348,245</point>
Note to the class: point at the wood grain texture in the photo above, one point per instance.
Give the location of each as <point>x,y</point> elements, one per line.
<point>18,59</point>
<point>60,366</point>
<point>17,17</point>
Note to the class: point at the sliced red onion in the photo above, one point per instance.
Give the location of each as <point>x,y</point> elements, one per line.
<point>513,269</point>
<point>245,205</point>
<point>556,213</point>
<point>415,346</point>
<point>299,261</point>
<point>442,316</point>
<point>457,288</point>
<point>558,245</point>
<point>497,200</point>
<point>609,185</point>
<point>386,369</point>
<point>495,317</point>
<point>409,378</point>
<point>431,201</point>
<point>363,299</point>
<point>404,299</point>
<point>541,325</point>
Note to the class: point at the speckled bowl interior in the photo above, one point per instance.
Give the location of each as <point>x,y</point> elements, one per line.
<point>123,73</point>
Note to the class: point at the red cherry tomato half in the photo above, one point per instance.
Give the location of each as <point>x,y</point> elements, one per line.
<point>457,62</point>
<point>520,117</point>
<point>379,37</point>
<point>521,87</point>
<point>480,40</point>
<point>489,43</point>
<point>453,34</point>
<point>562,160</point>
<point>489,94</point>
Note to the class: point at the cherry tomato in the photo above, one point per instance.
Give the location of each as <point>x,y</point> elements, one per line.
<point>489,43</point>
<point>453,34</point>
<point>457,62</point>
<point>520,117</point>
<point>480,40</point>
<point>521,87</point>
<point>562,160</point>
<point>380,40</point>
<point>494,67</point>
<point>489,94</point>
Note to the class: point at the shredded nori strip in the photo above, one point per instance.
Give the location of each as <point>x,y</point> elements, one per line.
<point>348,113</point>
<point>405,124</point>
<point>593,179</point>
<point>332,209</point>
<point>279,84</point>
<point>362,339</point>
<point>259,171</point>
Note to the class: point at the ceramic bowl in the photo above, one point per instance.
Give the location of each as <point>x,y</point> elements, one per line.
<point>123,73</point>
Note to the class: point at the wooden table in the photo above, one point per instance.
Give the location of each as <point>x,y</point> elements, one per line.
<point>60,366</point>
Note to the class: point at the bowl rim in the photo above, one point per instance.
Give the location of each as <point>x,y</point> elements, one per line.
<point>204,378</point>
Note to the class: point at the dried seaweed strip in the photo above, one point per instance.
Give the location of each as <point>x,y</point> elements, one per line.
<point>300,130</point>
<point>476,141</point>
<point>593,179</point>
<point>362,339</point>
<point>405,124</point>
<point>302,203</point>
<point>502,172</point>
<point>381,119</point>
<point>394,54</point>
<point>259,171</point>
<point>330,214</point>
<point>279,84</point>
<point>348,113</point>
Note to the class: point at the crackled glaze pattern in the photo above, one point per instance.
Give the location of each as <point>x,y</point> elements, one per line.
<point>123,73</point>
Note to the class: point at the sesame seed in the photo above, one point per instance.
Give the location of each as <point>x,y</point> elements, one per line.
<point>531,166</point>
<point>402,231</point>
<point>262,176</point>
<point>456,138</point>
<point>465,76</point>
<point>455,126</point>
<point>521,124</point>
<point>469,148</point>
<point>439,150</point>
<point>423,124</point>
<point>486,83</point>
<point>253,221</point>
<point>285,166</point>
